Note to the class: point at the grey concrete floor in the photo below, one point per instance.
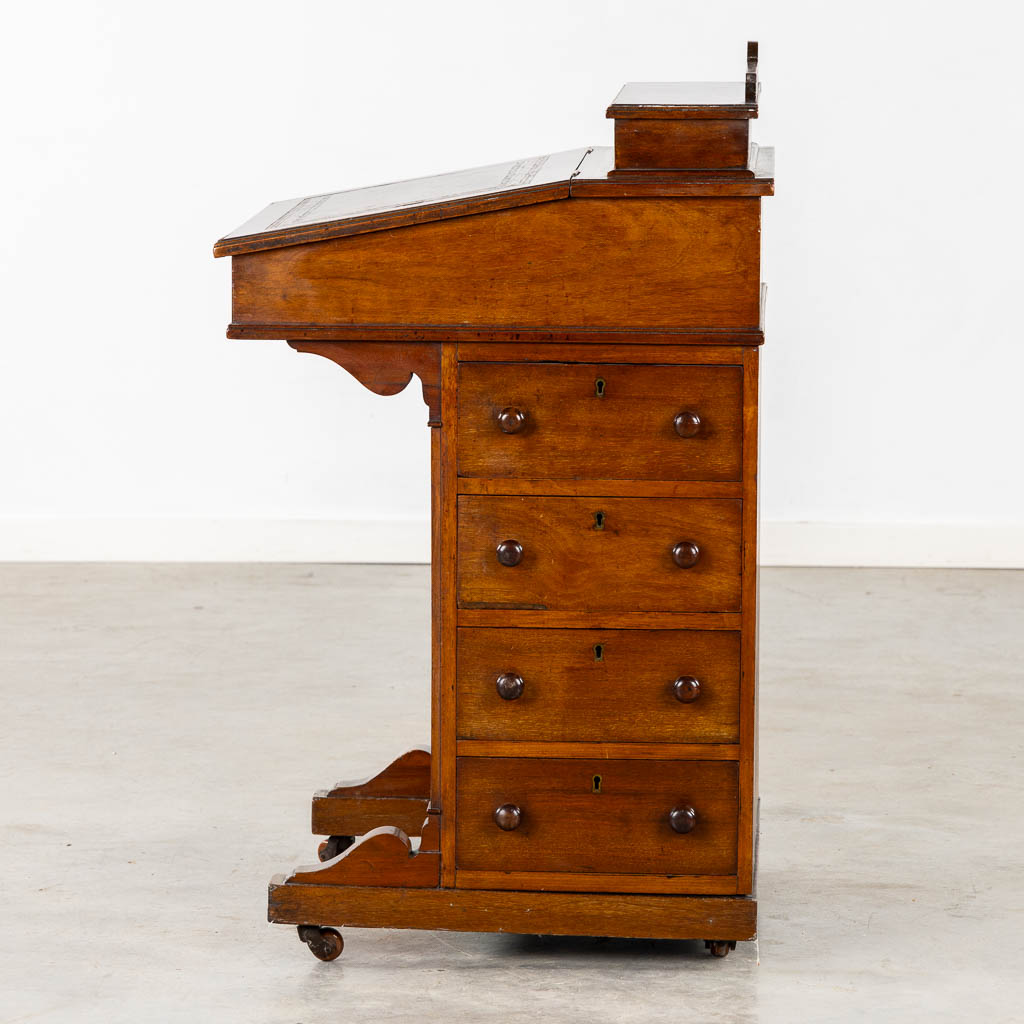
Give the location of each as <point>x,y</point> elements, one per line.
<point>166,726</point>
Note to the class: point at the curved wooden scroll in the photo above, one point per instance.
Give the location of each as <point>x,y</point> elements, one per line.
<point>396,796</point>
<point>386,367</point>
<point>382,857</point>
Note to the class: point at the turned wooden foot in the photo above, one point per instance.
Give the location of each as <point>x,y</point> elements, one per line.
<point>324,943</point>
<point>719,947</point>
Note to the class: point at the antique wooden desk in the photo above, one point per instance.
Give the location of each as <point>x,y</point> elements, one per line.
<point>585,329</point>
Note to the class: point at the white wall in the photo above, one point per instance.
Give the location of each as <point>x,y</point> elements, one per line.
<point>136,135</point>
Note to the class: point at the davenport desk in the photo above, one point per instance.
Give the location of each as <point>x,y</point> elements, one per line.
<point>585,328</point>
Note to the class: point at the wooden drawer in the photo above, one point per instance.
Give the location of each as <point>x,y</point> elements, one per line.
<point>570,430</point>
<point>598,554</point>
<point>611,685</point>
<point>565,826</point>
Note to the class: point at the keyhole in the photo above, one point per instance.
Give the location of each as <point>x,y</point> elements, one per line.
<point>598,520</point>
<point>598,652</point>
<point>599,387</point>
<point>597,784</point>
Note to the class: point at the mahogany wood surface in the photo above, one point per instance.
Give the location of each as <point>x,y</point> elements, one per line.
<point>554,265</point>
<point>597,488</point>
<point>357,815</point>
<point>406,776</point>
<point>544,749</point>
<point>664,143</point>
<point>684,100</point>
<point>635,348</point>
<point>583,815</point>
<point>396,796</point>
<point>599,177</point>
<point>438,549</point>
<point>577,685</point>
<point>585,329</point>
<point>595,881</point>
<point>750,603</point>
<point>445,708</point>
<point>383,856</point>
<point>709,336</point>
<point>627,565</point>
<point>599,420</point>
<point>631,916</point>
<point>524,618</point>
<point>662,751</point>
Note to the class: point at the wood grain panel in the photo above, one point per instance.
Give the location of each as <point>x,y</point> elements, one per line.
<point>688,263</point>
<point>570,565</point>
<point>601,338</point>
<point>446,632</point>
<point>675,143</point>
<point>639,349</point>
<point>624,828</point>
<point>514,618</point>
<point>578,683</point>
<point>568,881</point>
<point>748,659</point>
<point>356,815</point>
<point>651,751</point>
<point>596,488</point>
<point>525,913</point>
<point>600,420</point>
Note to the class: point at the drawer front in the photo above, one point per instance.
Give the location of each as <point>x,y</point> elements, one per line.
<point>598,685</point>
<point>600,421</point>
<point>594,815</point>
<point>599,554</point>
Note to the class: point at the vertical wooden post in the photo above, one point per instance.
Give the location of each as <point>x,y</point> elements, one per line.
<point>447,589</point>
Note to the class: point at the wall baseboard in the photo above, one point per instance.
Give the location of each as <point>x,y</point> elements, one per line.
<point>74,539</point>
<point>911,545</point>
<point>143,539</point>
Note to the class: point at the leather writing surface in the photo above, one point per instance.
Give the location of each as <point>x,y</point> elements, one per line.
<point>327,207</point>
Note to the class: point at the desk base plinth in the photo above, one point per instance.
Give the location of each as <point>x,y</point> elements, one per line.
<point>718,920</point>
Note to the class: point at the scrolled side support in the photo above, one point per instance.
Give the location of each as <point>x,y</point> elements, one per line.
<point>386,367</point>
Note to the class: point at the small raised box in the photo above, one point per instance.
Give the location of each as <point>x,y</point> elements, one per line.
<point>685,126</point>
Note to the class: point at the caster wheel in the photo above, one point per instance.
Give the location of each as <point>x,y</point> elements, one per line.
<point>332,846</point>
<point>719,947</point>
<point>324,943</point>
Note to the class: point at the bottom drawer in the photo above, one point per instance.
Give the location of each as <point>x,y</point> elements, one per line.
<point>595,815</point>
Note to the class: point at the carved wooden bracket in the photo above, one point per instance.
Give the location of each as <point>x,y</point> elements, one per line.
<point>387,367</point>
<point>398,796</point>
<point>382,857</point>
<point>407,775</point>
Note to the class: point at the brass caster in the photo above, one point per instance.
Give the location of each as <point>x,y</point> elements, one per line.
<point>719,947</point>
<point>324,943</point>
<point>333,845</point>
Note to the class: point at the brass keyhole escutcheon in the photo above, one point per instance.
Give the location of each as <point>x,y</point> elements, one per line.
<point>598,520</point>
<point>598,652</point>
<point>597,784</point>
<point>599,387</point>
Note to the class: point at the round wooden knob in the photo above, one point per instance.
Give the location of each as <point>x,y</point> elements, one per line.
<point>686,554</point>
<point>509,686</point>
<point>511,420</point>
<point>687,424</point>
<point>681,818</point>
<point>686,689</point>
<point>510,552</point>
<point>507,817</point>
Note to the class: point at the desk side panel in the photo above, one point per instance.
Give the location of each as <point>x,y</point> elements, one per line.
<point>572,264</point>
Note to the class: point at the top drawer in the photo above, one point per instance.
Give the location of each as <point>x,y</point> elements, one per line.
<point>600,421</point>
